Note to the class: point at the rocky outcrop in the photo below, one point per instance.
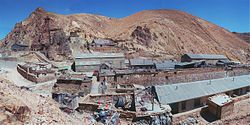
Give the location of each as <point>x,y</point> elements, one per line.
<point>152,33</point>
<point>13,109</point>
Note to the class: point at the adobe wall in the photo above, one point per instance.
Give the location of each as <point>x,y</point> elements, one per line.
<point>226,110</point>
<point>187,75</point>
<point>73,87</point>
<point>182,116</point>
<point>34,78</point>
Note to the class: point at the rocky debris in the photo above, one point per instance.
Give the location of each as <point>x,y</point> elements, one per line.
<point>161,33</point>
<point>15,107</point>
<point>19,106</point>
<point>189,121</point>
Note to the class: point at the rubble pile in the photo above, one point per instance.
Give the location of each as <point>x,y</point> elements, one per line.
<point>29,108</point>
<point>189,121</point>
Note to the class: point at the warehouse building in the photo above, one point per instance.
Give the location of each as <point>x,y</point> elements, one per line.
<point>209,58</point>
<point>89,62</point>
<point>187,96</point>
<point>141,64</point>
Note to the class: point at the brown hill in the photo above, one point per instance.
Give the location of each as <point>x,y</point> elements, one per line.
<point>244,36</point>
<point>151,33</point>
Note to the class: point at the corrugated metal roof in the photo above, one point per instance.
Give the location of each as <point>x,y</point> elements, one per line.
<point>168,94</point>
<point>206,56</point>
<point>221,99</point>
<point>103,42</point>
<point>166,65</point>
<point>136,62</point>
<point>98,55</point>
<point>87,63</point>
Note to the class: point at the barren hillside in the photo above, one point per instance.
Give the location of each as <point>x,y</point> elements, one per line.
<point>244,36</point>
<point>155,33</point>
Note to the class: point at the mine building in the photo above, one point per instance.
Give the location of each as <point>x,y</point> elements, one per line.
<point>187,96</point>
<point>19,47</point>
<point>36,72</point>
<point>209,58</point>
<point>194,64</point>
<point>116,60</point>
<point>145,64</point>
<point>73,83</point>
<point>102,42</point>
<point>220,105</point>
<point>165,65</point>
<point>85,66</point>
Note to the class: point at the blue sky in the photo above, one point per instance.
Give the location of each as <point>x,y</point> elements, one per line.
<point>233,15</point>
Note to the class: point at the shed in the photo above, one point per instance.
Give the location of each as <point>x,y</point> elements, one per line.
<point>220,105</point>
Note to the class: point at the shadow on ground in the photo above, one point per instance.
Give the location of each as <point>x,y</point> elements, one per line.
<point>209,117</point>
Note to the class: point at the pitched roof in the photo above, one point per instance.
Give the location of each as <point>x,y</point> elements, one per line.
<point>139,62</point>
<point>87,63</point>
<point>206,56</point>
<point>103,42</point>
<point>166,65</point>
<point>98,55</point>
<point>173,93</point>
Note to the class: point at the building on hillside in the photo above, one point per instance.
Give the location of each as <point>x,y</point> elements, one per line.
<point>102,43</point>
<point>116,60</point>
<point>36,72</point>
<point>165,65</point>
<point>221,105</point>
<point>141,64</point>
<point>86,66</point>
<point>187,96</point>
<point>194,64</point>
<point>73,83</point>
<point>19,47</point>
<point>209,58</point>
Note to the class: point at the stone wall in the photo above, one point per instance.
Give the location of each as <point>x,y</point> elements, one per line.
<point>34,78</point>
<point>179,76</point>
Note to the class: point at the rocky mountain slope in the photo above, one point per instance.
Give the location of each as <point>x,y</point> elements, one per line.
<point>244,36</point>
<point>151,33</point>
<point>22,107</point>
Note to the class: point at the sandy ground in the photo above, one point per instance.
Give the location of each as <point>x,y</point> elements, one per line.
<point>9,67</point>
